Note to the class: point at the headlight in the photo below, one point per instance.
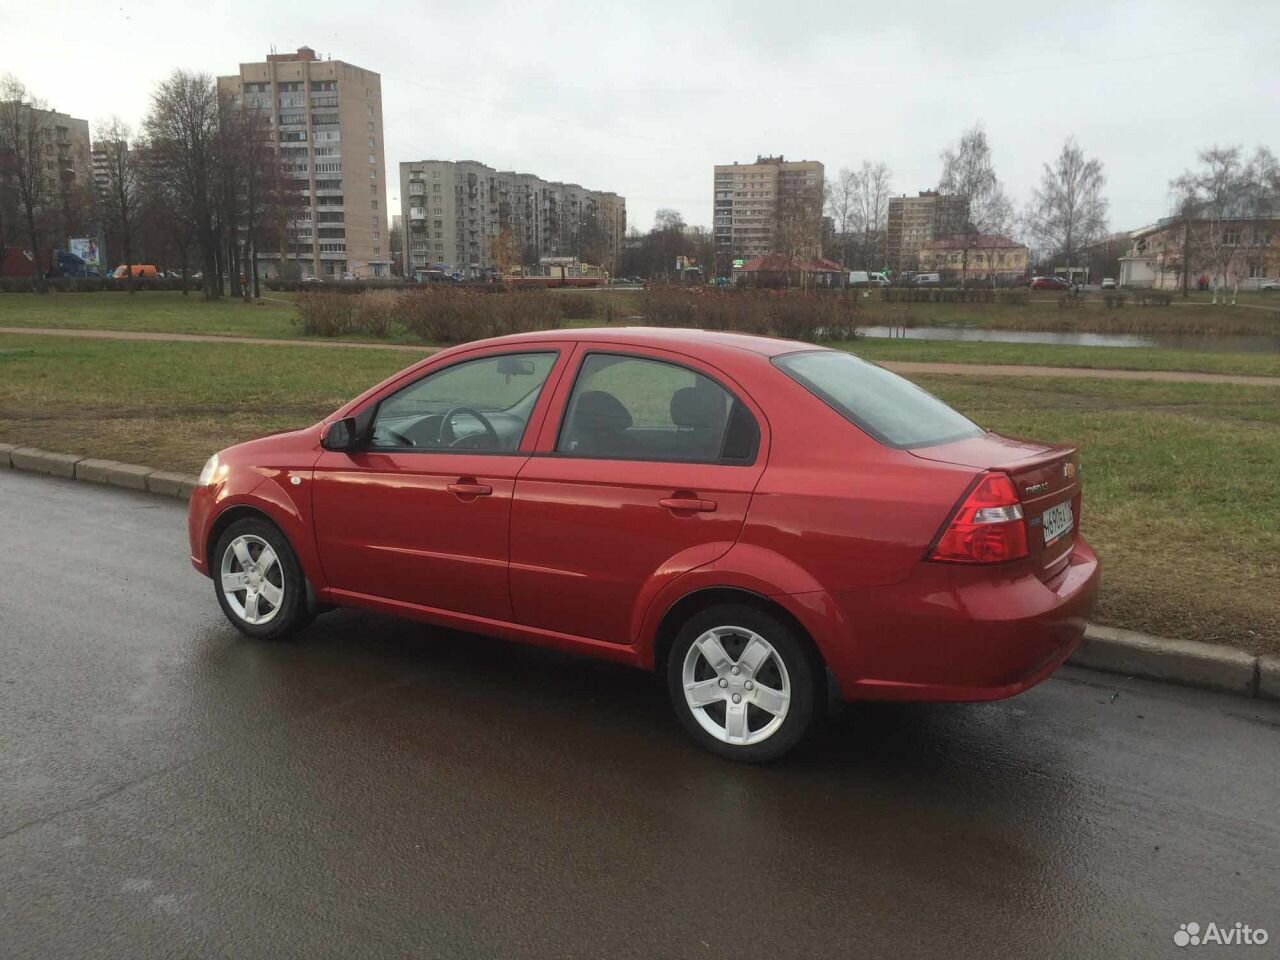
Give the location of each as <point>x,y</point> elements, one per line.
<point>210,468</point>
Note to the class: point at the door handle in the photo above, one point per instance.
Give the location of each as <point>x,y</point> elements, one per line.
<point>468,488</point>
<point>687,503</point>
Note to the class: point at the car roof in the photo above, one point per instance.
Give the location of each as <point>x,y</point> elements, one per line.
<point>670,338</point>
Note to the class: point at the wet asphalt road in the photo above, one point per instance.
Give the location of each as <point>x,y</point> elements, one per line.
<point>169,788</point>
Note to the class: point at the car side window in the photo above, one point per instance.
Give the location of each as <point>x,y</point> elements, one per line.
<point>635,408</point>
<point>476,405</point>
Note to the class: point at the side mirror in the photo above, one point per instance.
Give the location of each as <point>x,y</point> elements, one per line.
<point>341,436</point>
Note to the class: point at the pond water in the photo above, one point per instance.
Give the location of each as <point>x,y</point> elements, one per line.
<point>1225,343</point>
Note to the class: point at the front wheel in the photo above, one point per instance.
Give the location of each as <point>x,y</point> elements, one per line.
<point>743,683</point>
<point>258,580</point>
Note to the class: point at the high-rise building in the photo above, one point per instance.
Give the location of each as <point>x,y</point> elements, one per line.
<point>327,118</point>
<point>771,206</point>
<point>914,222</point>
<point>472,219</point>
<point>63,147</point>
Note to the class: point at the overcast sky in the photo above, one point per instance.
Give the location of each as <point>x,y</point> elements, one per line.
<point>644,98</point>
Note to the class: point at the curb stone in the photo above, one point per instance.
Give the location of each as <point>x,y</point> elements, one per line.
<point>42,461</point>
<point>1207,666</point>
<point>131,476</point>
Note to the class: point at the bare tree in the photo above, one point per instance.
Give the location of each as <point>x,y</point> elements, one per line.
<point>668,240</point>
<point>1067,211</point>
<point>874,184</point>
<point>182,128</point>
<point>842,208</point>
<point>1216,200</point>
<point>24,129</point>
<point>967,172</point>
<point>121,197</point>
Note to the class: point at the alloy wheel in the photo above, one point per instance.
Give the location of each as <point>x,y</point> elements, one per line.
<point>736,685</point>
<point>252,579</point>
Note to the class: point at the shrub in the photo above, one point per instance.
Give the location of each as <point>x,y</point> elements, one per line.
<point>576,306</point>
<point>807,315</point>
<point>457,315</point>
<point>374,313</point>
<point>325,314</point>
<point>1114,300</point>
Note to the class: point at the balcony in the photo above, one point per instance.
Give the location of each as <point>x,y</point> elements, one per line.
<point>417,213</point>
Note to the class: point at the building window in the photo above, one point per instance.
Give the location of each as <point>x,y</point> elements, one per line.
<point>1231,238</point>
<point>1257,269</point>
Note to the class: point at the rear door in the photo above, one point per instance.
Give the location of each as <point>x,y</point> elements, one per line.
<point>644,470</point>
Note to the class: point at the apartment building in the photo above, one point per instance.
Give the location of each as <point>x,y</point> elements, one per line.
<point>914,222</point>
<point>63,145</point>
<point>465,217</point>
<point>327,118</point>
<point>762,207</point>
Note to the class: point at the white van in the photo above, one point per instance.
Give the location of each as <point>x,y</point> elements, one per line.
<point>861,278</point>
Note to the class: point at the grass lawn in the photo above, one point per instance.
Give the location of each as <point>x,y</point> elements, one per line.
<point>1053,355</point>
<point>1181,495</point>
<point>155,311</point>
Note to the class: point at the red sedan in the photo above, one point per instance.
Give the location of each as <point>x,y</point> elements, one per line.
<point>750,517</point>
<point>1049,283</point>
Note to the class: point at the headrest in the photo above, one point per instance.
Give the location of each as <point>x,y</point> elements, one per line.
<point>694,407</point>
<point>600,412</point>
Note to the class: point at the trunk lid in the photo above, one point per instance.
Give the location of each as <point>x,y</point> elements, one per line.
<point>1047,478</point>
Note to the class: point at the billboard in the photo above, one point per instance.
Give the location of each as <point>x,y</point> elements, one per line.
<point>86,248</point>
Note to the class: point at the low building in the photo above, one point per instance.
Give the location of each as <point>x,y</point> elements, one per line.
<point>777,270</point>
<point>1241,251</point>
<point>990,258</point>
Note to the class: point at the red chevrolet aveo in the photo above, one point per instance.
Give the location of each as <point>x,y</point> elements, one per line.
<point>750,516</point>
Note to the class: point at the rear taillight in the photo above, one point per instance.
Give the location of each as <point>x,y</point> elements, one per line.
<point>987,527</point>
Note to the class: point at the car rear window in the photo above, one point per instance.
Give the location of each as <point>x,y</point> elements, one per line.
<point>893,410</point>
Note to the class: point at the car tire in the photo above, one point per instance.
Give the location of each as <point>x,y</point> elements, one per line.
<point>744,684</point>
<point>263,598</point>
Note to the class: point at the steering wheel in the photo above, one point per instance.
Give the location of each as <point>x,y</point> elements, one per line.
<point>446,426</point>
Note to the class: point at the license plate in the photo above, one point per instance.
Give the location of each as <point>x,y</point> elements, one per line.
<point>1056,521</point>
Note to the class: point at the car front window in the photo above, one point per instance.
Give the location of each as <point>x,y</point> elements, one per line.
<point>481,405</point>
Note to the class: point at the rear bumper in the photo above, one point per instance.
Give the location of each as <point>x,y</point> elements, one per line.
<point>951,633</point>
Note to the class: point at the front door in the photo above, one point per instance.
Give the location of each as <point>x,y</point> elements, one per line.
<point>421,513</point>
<point>648,475</point>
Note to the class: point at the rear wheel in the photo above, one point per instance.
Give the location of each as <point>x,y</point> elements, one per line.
<point>258,580</point>
<point>743,683</point>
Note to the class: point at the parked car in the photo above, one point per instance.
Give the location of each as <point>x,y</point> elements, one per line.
<point>927,280</point>
<point>744,515</point>
<point>140,271</point>
<point>1269,285</point>
<point>311,278</point>
<point>1108,283</point>
<point>863,278</point>
<point>1049,283</point>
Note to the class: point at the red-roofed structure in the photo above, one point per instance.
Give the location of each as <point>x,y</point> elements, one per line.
<point>778,270</point>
